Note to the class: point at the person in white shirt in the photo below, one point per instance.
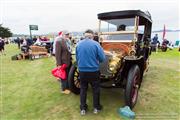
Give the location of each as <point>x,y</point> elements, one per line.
<point>38,42</point>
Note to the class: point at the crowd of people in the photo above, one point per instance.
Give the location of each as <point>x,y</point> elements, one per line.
<point>89,54</point>
<point>155,44</point>
<point>25,42</point>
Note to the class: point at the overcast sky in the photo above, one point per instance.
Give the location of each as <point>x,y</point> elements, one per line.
<point>78,15</point>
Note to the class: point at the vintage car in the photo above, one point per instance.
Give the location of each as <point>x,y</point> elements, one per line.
<point>126,43</point>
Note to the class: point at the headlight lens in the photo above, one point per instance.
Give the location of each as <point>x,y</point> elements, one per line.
<point>113,65</point>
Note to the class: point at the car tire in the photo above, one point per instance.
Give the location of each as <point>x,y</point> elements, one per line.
<point>73,80</point>
<point>132,86</point>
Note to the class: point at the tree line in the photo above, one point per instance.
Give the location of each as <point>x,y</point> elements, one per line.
<point>5,32</point>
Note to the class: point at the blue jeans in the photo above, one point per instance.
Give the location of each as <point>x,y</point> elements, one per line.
<point>64,83</point>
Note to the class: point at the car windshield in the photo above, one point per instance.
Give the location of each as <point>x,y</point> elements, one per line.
<point>119,37</point>
<point>115,25</point>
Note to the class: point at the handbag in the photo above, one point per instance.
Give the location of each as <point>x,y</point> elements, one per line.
<point>60,72</point>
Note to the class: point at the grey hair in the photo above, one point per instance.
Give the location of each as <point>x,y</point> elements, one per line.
<point>88,35</point>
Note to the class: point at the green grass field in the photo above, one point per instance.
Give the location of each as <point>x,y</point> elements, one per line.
<point>30,92</point>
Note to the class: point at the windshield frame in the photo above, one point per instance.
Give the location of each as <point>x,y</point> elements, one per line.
<point>134,32</point>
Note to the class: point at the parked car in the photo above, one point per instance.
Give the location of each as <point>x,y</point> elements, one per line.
<point>126,43</point>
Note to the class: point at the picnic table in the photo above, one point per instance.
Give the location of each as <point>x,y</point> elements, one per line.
<point>37,51</point>
<point>34,51</point>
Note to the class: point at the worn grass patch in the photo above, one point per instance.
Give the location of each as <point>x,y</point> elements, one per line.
<point>29,91</point>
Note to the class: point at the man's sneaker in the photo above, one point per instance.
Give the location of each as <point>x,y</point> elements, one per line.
<point>96,111</point>
<point>83,112</point>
